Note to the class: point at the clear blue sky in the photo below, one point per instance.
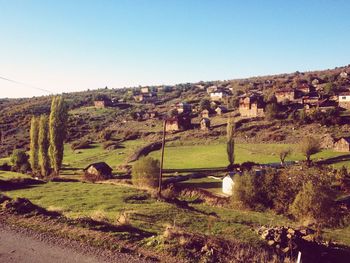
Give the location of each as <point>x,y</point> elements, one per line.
<point>71,45</point>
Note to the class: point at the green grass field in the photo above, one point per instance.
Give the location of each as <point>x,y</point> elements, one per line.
<point>101,200</point>
<point>84,199</point>
<point>79,159</point>
<point>4,160</point>
<point>214,155</point>
<point>187,156</point>
<point>10,175</point>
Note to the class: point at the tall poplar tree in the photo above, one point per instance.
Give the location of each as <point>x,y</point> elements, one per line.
<point>44,143</point>
<point>230,144</point>
<point>34,151</point>
<point>57,127</point>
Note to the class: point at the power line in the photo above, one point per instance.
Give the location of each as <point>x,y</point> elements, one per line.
<point>24,84</point>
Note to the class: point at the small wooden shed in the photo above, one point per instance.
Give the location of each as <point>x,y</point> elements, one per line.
<point>220,110</point>
<point>205,113</point>
<point>342,145</point>
<point>178,123</point>
<point>103,103</point>
<point>100,169</point>
<point>205,124</point>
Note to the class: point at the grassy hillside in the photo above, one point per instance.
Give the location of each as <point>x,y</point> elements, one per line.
<point>107,202</point>
<point>96,153</point>
<point>86,121</point>
<point>214,155</point>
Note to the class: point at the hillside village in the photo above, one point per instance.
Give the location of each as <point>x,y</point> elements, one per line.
<point>291,97</point>
<point>303,94</point>
<point>215,137</point>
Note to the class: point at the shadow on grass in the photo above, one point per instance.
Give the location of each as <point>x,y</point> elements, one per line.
<point>23,206</point>
<point>185,205</point>
<point>333,160</point>
<point>68,168</point>
<point>205,185</point>
<point>133,232</point>
<point>19,183</point>
<point>194,170</point>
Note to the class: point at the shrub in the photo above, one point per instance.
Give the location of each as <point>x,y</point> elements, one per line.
<point>83,144</point>
<point>309,146</point>
<point>19,160</point>
<point>204,104</point>
<point>271,111</point>
<point>110,145</point>
<point>105,135</point>
<point>343,178</point>
<point>145,172</point>
<point>283,154</point>
<point>256,190</point>
<point>315,203</point>
<point>244,190</point>
<point>246,166</point>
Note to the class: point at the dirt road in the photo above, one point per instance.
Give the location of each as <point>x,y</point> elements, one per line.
<point>26,247</point>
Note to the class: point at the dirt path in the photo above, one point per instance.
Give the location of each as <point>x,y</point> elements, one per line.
<point>28,247</point>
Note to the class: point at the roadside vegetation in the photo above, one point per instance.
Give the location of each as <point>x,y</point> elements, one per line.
<point>100,166</point>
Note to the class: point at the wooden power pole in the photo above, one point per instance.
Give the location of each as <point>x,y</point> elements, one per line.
<point>161,162</point>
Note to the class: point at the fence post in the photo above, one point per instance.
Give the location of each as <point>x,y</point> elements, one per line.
<point>161,162</point>
<point>299,257</point>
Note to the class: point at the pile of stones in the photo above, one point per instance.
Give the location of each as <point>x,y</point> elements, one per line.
<point>286,239</point>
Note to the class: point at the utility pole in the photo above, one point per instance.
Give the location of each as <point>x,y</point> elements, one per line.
<point>161,162</point>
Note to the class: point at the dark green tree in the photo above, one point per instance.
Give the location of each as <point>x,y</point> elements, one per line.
<point>309,146</point>
<point>34,147</point>
<point>57,128</point>
<point>44,143</point>
<point>230,144</point>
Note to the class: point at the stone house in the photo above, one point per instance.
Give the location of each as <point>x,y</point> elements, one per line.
<point>150,115</point>
<point>212,89</point>
<point>218,95</point>
<point>146,97</point>
<point>315,82</point>
<point>205,114</point>
<point>178,123</point>
<point>200,87</point>
<point>100,169</point>
<point>343,75</point>
<point>220,110</point>
<point>327,141</point>
<point>205,124</point>
<point>251,106</point>
<point>285,94</point>
<point>101,104</point>
<point>145,90</point>
<point>310,100</point>
<point>183,107</point>
<point>304,88</point>
<point>344,100</point>
<point>342,145</point>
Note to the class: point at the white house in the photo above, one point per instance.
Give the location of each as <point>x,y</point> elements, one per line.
<point>344,100</point>
<point>145,90</point>
<point>212,89</point>
<point>343,75</point>
<point>218,95</point>
<point>227,185</point>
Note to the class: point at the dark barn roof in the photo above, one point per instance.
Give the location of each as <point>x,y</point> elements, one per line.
<point>101,167</point>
